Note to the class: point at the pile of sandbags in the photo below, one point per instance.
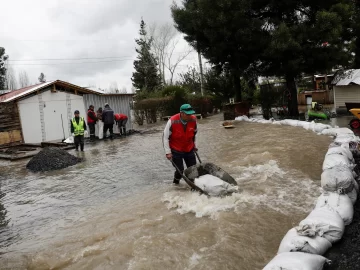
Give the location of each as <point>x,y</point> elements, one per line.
<point>52,158</point>
<point>302,246</point>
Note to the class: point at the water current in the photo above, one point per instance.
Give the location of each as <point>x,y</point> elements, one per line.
<point>119,209</point>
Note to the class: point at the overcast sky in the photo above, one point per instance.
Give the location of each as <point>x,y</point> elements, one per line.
<point>73,29</point>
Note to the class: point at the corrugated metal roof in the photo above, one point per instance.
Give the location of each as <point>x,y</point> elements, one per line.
<point>22,92</point>
<point>19,93</point>
<point>351,76</point>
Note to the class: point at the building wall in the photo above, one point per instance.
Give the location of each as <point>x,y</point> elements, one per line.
<point>322,97</point>
<point>119,103</point>
<point>46,116</point>
<point>10,127</point>
<point>350,93</point>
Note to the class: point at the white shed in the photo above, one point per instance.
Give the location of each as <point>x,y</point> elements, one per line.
<point>45,109</point>
<point>347,90</point>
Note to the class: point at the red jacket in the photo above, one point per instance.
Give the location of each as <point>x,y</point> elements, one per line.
<point>120,116</point>
<point>91,117</point>
<point>182,140</point>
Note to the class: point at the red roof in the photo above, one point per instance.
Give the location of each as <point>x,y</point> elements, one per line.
<point>18,92</point>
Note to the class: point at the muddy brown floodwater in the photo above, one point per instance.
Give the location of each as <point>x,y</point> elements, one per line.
<point>119,210</point>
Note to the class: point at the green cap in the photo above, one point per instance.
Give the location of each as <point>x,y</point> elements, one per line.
<point>186,108</point>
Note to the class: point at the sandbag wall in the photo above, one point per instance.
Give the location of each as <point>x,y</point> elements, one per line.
<point>304,245</point>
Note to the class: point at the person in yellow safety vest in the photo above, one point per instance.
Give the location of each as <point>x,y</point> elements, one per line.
<point>78,129</point>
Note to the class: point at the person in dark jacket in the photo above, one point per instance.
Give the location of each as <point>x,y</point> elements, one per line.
<point>78,128</point>
<point>108,119</point>
<point>91,121</point>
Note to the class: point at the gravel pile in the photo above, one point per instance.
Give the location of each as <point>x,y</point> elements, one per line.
<point>51,158</point>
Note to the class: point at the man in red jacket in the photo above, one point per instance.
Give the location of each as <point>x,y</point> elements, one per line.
<point>179,139</point>
<point>91,120</point>
<point>121,120</point>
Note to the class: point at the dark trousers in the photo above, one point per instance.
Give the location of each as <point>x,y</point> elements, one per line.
<point>110,128</point>
<point>92,129</point>
<point>79,140</point>
<point>179,159</point>
<point>122,126</point>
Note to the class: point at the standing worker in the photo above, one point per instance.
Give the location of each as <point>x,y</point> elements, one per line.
<point>179,139</point>
<point>121,120</point>
<point>91,120</point>
<point>108,119</point>
<point>78,129</point>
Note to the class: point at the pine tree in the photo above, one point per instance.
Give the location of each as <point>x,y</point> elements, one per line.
<point>2,68</point>
<point>146,76</point>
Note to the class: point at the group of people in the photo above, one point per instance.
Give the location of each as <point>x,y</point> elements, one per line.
<point>103,118</point>
<point>178,138</point>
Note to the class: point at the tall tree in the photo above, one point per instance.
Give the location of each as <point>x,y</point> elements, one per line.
<point>42,78</point>
<point>23,79</point>
<point>3,58</point>
<point>307,36</point>
<point>226,32</point>
<point>357,35</point>
<point>146,75</point>
<point>190,80</point>
<point>11,80</point>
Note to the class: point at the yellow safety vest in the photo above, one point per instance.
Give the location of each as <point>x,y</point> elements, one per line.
<point>78,128</point>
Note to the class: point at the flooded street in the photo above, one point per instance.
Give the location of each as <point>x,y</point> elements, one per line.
<point>119,209</point>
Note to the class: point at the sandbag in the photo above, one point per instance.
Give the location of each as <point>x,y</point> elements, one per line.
<point>296,261</point>
<point>324,222</point>
<point>69,140</point>
<point>345,138</point>
<point>353,194</point>
<point>337,179</point>
<point>292,242</point>
<point>341,150</point>
<point>331,161</point>
<point>214,186</point>
<point>340,203</point>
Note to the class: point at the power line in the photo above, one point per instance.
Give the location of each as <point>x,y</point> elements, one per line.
<point>62,59</point>
<point>74,63</point>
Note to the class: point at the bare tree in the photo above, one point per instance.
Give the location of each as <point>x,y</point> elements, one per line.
<point>172,62</point>
<point>162,36</point>
<point>11,81</point>
<point>113,88</point>
<point>123,90</point>
<point>23,79</point>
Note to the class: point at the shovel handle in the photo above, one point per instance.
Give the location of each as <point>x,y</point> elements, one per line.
<point>187,180</point>
<point>197,155</point>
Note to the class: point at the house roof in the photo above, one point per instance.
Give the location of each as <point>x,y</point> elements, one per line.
<point>351,76</point>
<point>19,93</point>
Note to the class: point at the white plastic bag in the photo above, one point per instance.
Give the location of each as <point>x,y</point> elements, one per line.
<point>324,222</point>
<point>341,150</point>
<point>345,138</point>
<point>100,126</point>
<point>353,194</point>
<point>69,140</point>
<point>296,261</point>
<point>341,203</point>
<point>337,179</point>
<point>333,160</point>
<point>214,186</point>
<point>292,242</point>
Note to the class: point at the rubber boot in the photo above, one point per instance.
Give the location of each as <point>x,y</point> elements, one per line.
<point>82,147</point>
<point>124,131</point>
<point>176,181</point>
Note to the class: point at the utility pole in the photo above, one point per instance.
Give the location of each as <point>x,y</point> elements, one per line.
<point>201,74</point>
